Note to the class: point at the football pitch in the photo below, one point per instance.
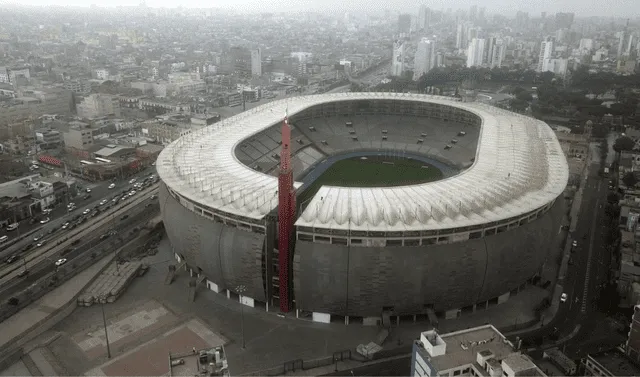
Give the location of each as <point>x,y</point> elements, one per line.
<point>374,172</point>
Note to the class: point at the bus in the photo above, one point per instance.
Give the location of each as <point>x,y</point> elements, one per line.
<point>102,160</point>
<point>84,162</point>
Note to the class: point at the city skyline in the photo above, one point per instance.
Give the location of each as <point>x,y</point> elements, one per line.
<point>581,8</point>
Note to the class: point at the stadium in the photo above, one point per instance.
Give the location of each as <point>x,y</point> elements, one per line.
<point>405,205</point>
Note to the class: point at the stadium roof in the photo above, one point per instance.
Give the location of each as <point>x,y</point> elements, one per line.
<point>519,167</point>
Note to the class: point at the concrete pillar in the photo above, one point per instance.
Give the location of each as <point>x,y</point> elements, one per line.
<point>414,318</point>
<point>503,298</point>
<point>346,319</point>
<point>267,306</point>
<point>228,293</point>
<point>297,313</point>
<point>398,320</point>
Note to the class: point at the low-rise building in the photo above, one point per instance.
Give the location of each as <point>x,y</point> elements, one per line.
<point>48,138</point>
<point>78,137</point>
<point>479,351</point>
<point>609,363</point>
<point>36,103</point>
<point>98,105</point>
<point>23,198</point>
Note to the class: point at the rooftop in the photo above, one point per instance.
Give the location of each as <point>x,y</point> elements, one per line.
<point>463,346</point>
<point>519,167</point>
<point>616,362</point>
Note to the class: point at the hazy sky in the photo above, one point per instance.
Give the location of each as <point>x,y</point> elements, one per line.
<point>623,8</point>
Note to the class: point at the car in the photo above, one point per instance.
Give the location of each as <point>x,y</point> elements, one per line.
<point>71,205</point>
<point>65,225</point>
<point>42,242</point>
<point>95,213</point>
<point>13,226</point>
<point>23,273</point>
<point>132,181</point>
<point>563,297</point>
<point>103,202</point>
<point>60,262</point>
<point>447,147</point>
<point>46,211</point>
<point>12,259</point>
<point>86,211</point>
<point>124,217</point>
<point>574,243</point>
<point>38,237</point>
<point>75,242</point>
<point>86,197</point>
<point>71,209</point>
<point>104,236</point>
<point>112,186</point>
<point>88,190</point>
<point>45,220</point>
<point>152,197</point>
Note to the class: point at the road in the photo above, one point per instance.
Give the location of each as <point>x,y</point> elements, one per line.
<point>60,215</point>
<point>65,239</point>
<point>587,271</point>
<point>138,214</point>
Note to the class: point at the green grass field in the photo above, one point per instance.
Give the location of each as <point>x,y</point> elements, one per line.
<point>374,172</point>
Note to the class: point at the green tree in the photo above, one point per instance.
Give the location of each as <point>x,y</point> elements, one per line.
<point>623,143</point>
<point>629,179</point>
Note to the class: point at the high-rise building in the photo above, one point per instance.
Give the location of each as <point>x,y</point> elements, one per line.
<point>256,62</point>
<point>586,45</point>
<point>404,23</point>
<point>397,64</point>
<point>546,52</point>
<point>473,13</point>
<point>497,51</point>
<point>425,58</point>
<point>424,18</point>
<point>564,20</point>
<point>475,52</point>
<point>461,36</point>
<point>479,351</point>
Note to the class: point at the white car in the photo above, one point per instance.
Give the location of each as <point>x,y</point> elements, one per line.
<point>563,297</point>
<point>132,181</point>
<point>88,190</point>
<point>37,237</point>
<point>60,262</point>
<point>112,186</point>
<point>42,242</point>
<point>86,211</point>
<point>574,243</point>
<point>13,226</point>
<point>45,220</point>
<point>103,202</point>
<point>65,226</point>
<point>46,211</point>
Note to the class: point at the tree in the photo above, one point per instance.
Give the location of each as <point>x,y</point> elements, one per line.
<point>623,143</point>
<point>629,179</point>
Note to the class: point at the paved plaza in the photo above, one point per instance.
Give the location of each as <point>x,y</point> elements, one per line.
<point>152,319</point>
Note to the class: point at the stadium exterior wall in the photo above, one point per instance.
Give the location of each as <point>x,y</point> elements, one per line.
<point>228,257</point>
<point>361,281</point>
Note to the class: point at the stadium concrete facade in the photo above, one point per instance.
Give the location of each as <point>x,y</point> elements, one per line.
<point>467,241</point>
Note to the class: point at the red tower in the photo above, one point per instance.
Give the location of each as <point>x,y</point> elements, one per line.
<point>286,213</point>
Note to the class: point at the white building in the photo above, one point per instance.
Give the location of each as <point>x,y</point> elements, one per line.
<point>586,45</point>
<point>102,74</point>
<point>475,52</point>
<point>424,18</point>
<point>425,58</point>
<point>557,66</point>
<point>397,64</point>
<point>98,105</point>
<point>546,52</point>
<point>479,351</point>
<point>256,62</point>
<point>601,55</point>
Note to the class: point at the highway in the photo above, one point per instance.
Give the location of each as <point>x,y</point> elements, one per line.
<point>95,239</point>
<point>63,239</point>
<point>60,215</point>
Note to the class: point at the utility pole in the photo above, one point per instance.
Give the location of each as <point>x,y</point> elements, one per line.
<point>104,321</point>
<point>241,289</point>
